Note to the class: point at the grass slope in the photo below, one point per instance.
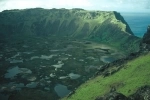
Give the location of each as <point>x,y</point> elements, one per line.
<point>127,80</point>
<point>103,26</point>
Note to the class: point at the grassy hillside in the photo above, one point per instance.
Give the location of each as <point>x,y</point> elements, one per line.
<point>102,26</point>
<point>127,80</point>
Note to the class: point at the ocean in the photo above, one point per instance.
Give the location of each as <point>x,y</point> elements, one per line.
<point>138,22</point>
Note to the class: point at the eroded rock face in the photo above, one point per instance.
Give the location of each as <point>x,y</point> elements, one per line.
<point>142,94</point>
<point>146,37</point>
<point>113,96</point>
<point>145,44</point>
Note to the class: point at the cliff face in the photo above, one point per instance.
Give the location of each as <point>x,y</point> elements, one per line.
<point>107,27</point>
<point>146,37</point>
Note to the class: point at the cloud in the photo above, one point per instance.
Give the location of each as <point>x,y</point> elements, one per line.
<point>18,4</point>
<point>134,3</point>
<point>74,3</point>
<point>118,5</point>
<point>22,4</point>
<point>148,5</point>
<point>122,5</point>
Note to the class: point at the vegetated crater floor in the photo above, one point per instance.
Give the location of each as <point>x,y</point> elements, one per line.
<point>49,67</point>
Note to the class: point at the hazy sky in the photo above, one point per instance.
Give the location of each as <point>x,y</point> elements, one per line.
<point>115,5</point>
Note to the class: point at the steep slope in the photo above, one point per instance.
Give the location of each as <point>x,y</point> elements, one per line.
<point>101,26</point>
<point>127,80</point>
<point>125,76</point>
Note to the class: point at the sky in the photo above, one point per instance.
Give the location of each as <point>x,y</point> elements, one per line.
<point>103,5</point>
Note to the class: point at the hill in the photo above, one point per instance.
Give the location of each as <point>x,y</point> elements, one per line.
<point>101,26</point>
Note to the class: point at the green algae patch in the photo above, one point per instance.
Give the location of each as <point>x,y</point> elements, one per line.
<point>127,80</point>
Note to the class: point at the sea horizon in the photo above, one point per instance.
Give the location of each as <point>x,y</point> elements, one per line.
<point>138,22</point>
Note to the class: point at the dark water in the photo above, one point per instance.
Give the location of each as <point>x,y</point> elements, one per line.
<point>138,22</point>
<point>109,59</point>
<point>49,67</point>
<point>61,90</point>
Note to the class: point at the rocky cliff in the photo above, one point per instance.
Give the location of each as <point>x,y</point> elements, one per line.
<point>146,37</point>
<point>102,26</point>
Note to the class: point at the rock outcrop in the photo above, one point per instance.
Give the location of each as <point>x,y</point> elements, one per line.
<point>113,96</point>
<point>146,37</point>
<point>145,43</point>
<point>141,94</point>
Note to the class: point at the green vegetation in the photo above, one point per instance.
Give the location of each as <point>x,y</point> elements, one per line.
<point>105,26</point>
<point>127,80</point>
<point>78,56</point>
<point>79,39</point>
